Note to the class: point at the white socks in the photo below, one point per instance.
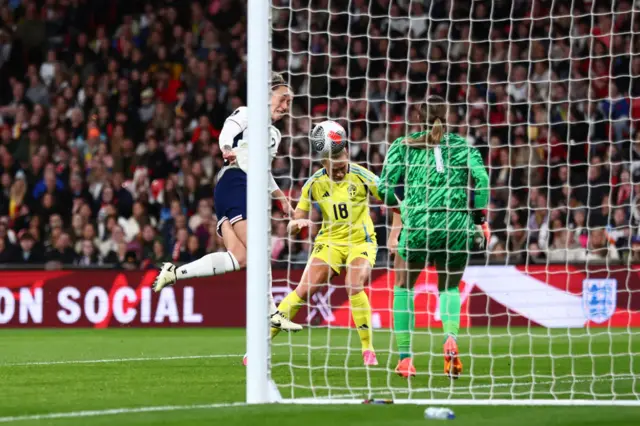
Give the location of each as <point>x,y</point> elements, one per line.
<point>215,264</point>
<point>272,305</point>
<point>211,264</point>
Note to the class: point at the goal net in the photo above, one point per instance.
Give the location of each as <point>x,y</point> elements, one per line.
<point>548,93</point>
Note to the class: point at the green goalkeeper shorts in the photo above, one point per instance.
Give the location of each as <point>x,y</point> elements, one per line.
<point>445,240</point>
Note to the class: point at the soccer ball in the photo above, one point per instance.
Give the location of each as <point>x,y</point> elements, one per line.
<point>328,138</point>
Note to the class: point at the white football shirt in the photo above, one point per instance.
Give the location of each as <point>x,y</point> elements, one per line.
<point>233,136</point>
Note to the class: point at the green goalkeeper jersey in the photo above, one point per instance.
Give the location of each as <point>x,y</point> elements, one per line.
<point>434,179</point>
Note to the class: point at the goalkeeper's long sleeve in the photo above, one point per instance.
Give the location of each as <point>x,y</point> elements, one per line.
<point>392,173</point>
<point>481,179</point>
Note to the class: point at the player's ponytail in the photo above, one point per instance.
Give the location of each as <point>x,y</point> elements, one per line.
<point>432,113</point>
<point>277,80</point>
<point>437,131</point>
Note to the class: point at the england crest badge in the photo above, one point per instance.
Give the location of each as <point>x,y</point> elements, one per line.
<point>599,298</point>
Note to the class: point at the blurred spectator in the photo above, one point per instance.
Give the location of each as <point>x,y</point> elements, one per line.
<point>634,254</point>
<point>114,248</point>
<point>130,261</point>
<point>599,249</point>
<point>194,251</point>
<point>109,118</point>
<point>580,230</point>
<point>159,254</point>
<point>30,251</point>
<point>7,252</point>
<point>88,254</point>
<point>535,254</point>
<point>564,248</point>
<point>62,250</point>
<point>180,251</point>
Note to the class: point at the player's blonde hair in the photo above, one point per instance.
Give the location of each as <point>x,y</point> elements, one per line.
<point>334,156</point>
<point>432,113</point>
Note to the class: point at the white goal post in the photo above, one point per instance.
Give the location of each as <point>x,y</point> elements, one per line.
<point>258,201</point>
<point>550,311</point>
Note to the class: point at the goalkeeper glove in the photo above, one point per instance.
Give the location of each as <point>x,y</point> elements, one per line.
<point>480,219</point>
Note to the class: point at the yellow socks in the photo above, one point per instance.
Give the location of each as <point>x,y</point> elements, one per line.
<point>289,307</point>
<point>361,312</point>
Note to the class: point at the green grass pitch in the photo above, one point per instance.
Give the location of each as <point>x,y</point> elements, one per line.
<point>197,370</point>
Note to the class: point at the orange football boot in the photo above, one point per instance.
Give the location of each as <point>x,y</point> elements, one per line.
<point>452,363</point>
<point>405,368</point>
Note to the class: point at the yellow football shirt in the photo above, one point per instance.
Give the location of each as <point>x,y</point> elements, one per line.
<point>344,205</point>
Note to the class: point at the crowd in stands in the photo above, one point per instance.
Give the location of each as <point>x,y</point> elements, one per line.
<point>110,113</point>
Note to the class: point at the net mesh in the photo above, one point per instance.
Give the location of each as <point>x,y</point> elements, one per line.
<point>548,93</point>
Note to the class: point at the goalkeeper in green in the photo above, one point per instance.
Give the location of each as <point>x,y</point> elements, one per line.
<point>437,225</point>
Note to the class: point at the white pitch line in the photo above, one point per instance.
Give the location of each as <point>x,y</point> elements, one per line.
<point>468,389</point>
<point>471,388</point>
<point>138,359</point>
<point>114,411</point>
<point>111,360</point>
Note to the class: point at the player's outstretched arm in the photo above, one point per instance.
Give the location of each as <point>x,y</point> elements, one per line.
<point>300,220</point>
<point>394,235</point>
<point>392,172</point>
<point>481,198</point>
<point>235,124</point>
<point>480,178</point>
<point>279,196</point>
<point>300,217</point>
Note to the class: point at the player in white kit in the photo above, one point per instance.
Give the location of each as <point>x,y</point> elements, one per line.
<point>230,197</point>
